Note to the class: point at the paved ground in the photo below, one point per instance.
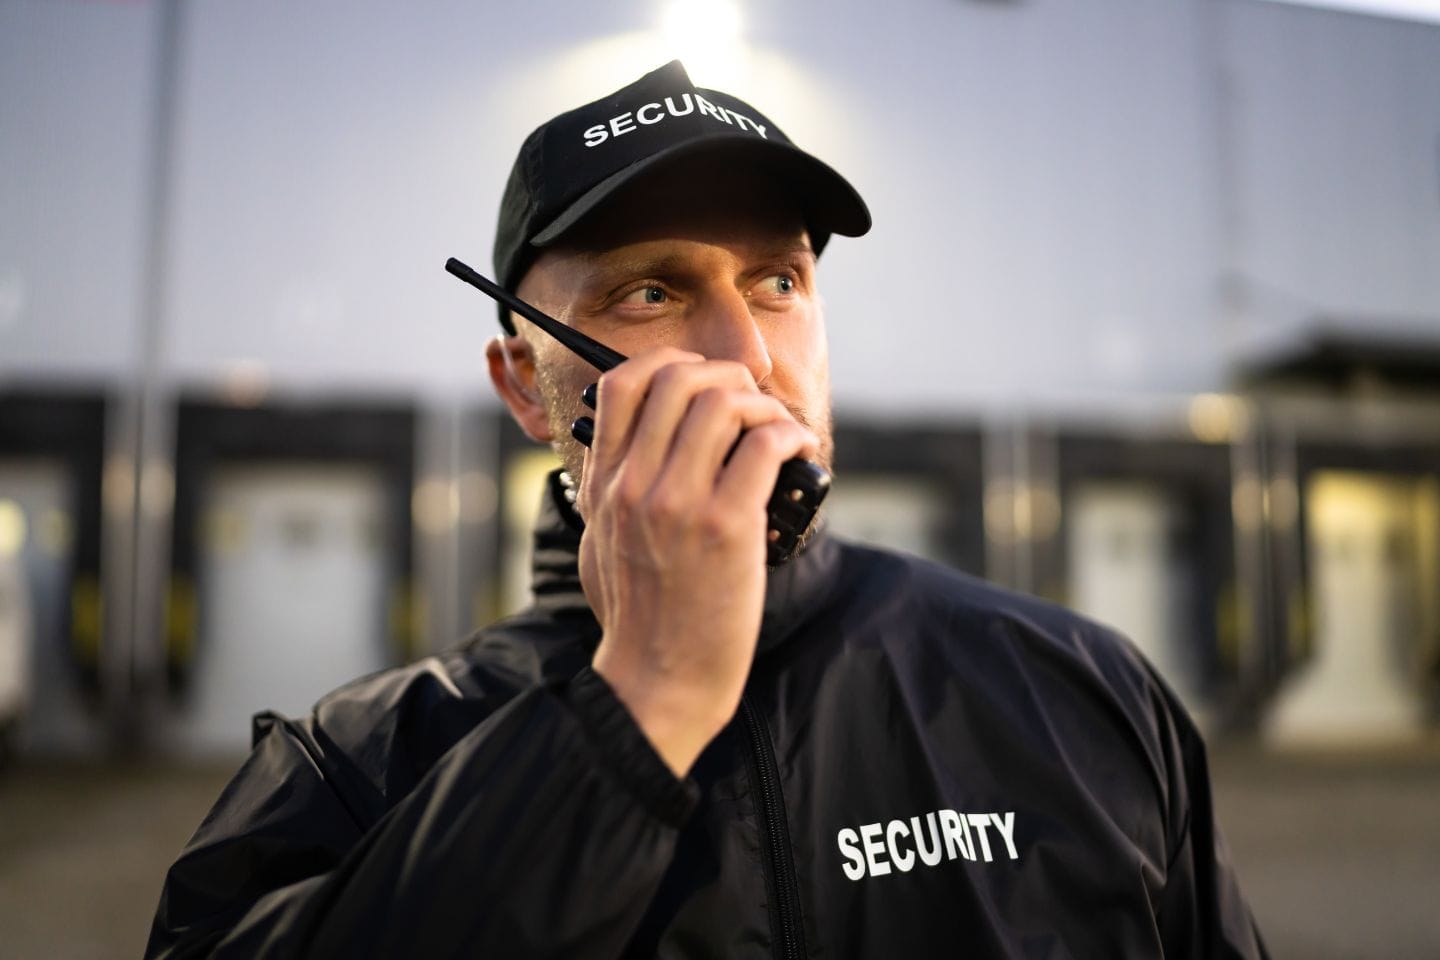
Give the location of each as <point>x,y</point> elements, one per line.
<point>83,851</point>
<point>1340,855</point>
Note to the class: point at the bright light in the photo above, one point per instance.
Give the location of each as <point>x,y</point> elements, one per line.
<point>705,34</point>
<point>12,528</point>
<point>1215,418</point>
<point>701,21</point>
<point>1424,10</point>
<point>245,383</point>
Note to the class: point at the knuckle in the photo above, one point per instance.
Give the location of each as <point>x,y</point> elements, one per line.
<point>666,505</point>
<point>617,384</point>
<point>719,526</point>
<point>770,438</point>
<point>629,491</point>
<point>712,400</point>
<point>670,378</point>
<point>714,528</point>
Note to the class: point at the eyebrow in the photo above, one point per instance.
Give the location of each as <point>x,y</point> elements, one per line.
<point>605,267</point>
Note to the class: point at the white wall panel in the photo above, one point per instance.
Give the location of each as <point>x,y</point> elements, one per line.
<point>1059,188</point>
<point>76,84</point>
<point>333,156</point>
<point>1043,192</point>
<point>1336,141</point>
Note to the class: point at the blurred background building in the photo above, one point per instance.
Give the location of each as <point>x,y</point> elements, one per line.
<point>1149,324</point>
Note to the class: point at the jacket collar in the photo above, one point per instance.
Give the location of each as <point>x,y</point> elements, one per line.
<point>792,592</point>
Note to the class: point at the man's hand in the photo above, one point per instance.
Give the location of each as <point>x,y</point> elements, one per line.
<point>673,556</point>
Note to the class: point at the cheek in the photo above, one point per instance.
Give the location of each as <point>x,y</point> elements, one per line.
<point>800,349</point>
<point>632,339</point>
<point>562,378</point>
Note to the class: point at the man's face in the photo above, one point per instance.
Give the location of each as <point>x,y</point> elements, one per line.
<point>704,257</point>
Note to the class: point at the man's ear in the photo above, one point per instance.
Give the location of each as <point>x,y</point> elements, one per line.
<point>512,370</point>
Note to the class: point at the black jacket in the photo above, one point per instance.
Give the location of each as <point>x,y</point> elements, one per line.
<point>923,766</point>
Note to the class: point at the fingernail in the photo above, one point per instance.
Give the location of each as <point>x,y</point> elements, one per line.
<point>583,430</point>
<point>588,397</point>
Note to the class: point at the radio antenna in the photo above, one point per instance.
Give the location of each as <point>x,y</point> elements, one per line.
<point>592,351</point>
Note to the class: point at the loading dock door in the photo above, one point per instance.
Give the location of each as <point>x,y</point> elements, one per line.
<point>293,594</point>
<point>1127,571</point>
<point>1373,559</point>
<point>35,498</point>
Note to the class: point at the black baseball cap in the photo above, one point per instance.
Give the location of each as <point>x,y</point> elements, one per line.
<point>570,165</point>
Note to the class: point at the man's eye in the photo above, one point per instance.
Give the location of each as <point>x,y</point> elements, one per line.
<point>779,283</point>
<point>646,295</point>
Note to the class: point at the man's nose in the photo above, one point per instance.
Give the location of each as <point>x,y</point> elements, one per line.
<point>726,330</point>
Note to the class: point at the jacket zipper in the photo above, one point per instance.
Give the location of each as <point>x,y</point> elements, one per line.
<point>779,859</point>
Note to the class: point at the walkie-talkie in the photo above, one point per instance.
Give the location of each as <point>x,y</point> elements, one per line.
<point>801,485</point>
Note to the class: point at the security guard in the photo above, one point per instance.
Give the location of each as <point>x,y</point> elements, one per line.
<point>676,751</point>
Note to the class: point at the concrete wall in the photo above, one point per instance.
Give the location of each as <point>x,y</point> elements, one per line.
<point>75,113</point>
<point>1110,198</point>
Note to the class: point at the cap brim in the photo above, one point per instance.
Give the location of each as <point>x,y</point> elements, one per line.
<point>827,201</point>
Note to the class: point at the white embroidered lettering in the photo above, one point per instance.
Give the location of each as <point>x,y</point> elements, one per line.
<point>955,840</point>
<point>981,821</point>
<point>1007,831</point>
<point>651,113</point>
<point>932,856</point>
<point>848,841</point>
<point>929,839</point>
<point>905,860</point>
<point>870,836</point>
<point>969,842</point>
<point>709,108</point>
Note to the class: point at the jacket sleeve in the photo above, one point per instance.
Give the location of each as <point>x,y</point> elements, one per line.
<point>1202,912</point>
<point>544,831</point>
